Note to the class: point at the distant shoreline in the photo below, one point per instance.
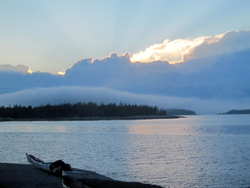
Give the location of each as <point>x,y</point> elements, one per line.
<point>231,112</point>
<point>93,118</point>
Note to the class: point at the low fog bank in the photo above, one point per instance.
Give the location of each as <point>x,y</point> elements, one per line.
<point>67,94</point>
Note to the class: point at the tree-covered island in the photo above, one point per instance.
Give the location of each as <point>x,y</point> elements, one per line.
<point>78,111</point>
<point>246,111</point>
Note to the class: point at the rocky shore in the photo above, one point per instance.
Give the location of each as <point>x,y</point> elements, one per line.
<point>22,175</point>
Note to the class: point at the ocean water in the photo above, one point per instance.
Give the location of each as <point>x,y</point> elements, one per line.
<point>197,151</point>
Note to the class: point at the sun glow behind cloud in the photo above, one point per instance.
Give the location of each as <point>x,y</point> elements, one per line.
<point>61,73</point>
<point>190,85</point>
<point>175,51</point>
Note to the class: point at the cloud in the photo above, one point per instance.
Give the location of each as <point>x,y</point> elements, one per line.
<point>216,79</point>
<point>230,42</point>
<point>191,79</point>
<point>222,79</point>
<point>18,68</point>
<point>65,94</point>
<point>183,50</point>
<point>12,81</point>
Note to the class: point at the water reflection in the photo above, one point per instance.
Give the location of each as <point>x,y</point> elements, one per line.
<point>32,127</point>
<point>60,128</point>
<point>200,125</point>
<point>165,158</point>
<point>200,151</point>
<point>170,127</point>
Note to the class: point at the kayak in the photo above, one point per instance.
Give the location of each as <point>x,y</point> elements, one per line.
<point>82,178</point>
<point>38,162</point>
<point>77,174</point>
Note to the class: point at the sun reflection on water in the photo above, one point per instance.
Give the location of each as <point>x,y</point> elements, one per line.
<point>200,151</point>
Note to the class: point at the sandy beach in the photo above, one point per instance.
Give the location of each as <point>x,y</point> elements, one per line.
<point>22,175</point>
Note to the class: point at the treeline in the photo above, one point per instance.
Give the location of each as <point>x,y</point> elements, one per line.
<point>79,110</point>
<point>247,111</point>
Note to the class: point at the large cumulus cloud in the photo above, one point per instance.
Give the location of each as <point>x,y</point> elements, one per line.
<point>183,50</point>
<point>219,77</point>
<point>219,81</point>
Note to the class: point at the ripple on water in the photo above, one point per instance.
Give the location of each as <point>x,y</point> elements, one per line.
<point>200,151</point>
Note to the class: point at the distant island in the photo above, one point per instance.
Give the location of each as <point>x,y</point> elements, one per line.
<point>176,112</point>
<point>246,111</point>
<point>81,111</point>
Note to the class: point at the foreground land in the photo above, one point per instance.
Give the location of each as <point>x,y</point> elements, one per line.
<point>21,175</point>
<point>92,118</point>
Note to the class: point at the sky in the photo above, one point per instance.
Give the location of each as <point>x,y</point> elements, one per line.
<point>180,52</point>
<point>52,35</point>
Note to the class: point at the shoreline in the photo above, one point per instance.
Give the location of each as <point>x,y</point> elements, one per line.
<point>14,175</point>
<point>93,118</point>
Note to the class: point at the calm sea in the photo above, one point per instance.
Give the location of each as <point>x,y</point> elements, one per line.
<point>197,151</point>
